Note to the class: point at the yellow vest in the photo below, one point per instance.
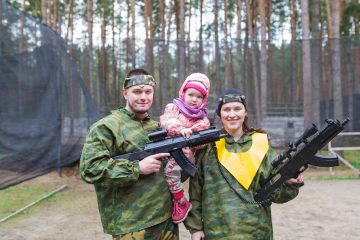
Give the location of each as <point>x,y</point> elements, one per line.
<point>244,165</point>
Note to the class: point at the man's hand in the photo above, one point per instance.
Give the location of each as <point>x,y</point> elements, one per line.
<point>186,132</point>
<point>152,164</point>
<point>198,235</point>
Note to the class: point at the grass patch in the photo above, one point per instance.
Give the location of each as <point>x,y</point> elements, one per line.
<point>17,197</point>
<point>353,157</point>
<point>333,178</point>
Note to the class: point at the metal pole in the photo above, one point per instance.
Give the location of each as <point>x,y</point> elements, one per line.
<point>33,203</point>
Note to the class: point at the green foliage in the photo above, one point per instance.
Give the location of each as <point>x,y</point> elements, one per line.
<point>350,17</point>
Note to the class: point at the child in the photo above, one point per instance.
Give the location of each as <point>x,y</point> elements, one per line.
<point>187,114</point>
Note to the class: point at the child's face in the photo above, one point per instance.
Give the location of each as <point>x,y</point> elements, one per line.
<point>193,97</point>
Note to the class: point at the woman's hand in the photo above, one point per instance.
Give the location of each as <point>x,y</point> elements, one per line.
<point>296,181</point>
<point>198,235</point>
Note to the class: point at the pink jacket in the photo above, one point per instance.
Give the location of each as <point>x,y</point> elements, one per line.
<point>173,121</point>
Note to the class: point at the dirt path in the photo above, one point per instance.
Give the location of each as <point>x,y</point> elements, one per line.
<point>323,210</point>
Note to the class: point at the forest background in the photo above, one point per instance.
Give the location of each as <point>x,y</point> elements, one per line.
<point>293,58</point>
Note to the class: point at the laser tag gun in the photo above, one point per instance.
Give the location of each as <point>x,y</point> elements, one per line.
<point>173,145</point>
<point>295,160</point>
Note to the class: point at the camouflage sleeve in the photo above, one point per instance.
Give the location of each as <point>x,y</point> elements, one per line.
<point>194,220</point>
<point>96,164</point>
<point>285,192</point>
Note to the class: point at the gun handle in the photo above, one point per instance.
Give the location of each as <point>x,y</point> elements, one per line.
<point>183,162</point>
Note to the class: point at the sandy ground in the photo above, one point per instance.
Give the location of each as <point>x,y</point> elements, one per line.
<point>325,209</point>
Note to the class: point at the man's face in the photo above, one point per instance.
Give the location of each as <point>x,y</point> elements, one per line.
<point>139,99</point>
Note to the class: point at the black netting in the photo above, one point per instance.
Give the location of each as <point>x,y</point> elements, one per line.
<point>45,109</point>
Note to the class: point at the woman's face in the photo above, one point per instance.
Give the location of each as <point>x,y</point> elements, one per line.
<point>232,116</point>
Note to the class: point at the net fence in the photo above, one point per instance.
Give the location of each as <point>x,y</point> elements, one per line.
<point>45,108</point>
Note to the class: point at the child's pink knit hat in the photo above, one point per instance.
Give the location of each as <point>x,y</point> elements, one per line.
<point>196,85</point>
<point>198,81</point>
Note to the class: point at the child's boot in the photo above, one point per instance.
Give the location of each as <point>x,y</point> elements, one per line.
<point>181,208</point>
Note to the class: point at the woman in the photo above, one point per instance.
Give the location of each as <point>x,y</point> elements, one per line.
<point>230,172</point>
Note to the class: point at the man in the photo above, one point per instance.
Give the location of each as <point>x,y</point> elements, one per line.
<point>133,198</point>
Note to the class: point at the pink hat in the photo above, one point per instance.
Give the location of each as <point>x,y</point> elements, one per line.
<point>196,85</point>
<point>198,81</point>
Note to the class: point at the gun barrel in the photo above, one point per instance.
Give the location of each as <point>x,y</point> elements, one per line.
<point>307,133</point>
<point>345,122</point>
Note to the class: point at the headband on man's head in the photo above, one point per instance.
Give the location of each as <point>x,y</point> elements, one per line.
<point>139,80</point>
<point>230,95</point>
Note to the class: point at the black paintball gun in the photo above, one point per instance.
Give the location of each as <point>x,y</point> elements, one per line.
<point>295,159</point>
<point>173,145</point>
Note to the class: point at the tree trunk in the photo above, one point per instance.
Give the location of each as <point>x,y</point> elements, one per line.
<point>351,83</point>
<point>70,24</point>
<point>329,19</point>
<point>294,63</point>
<point>21,46</point>
<point>133,19</point>
<point>181,42</point>
<point>228,68</point>
<point>336,62</point>
<point>201,44</point>
<point>90,81</point>
<point>56,16</point>
<point>307,99</point>
<point>49,14</point>
<point>149,37</point>
<point>218,84</point>
<point>114,90</point>
<point>188,54</point>
<point>263,59</point>
<point>315,9</point>
<point>239,58</point>
<point>326,67</point>
<point>164,81</point>
<point>44,11</point>
<point>128,40</point>
<point>270,60</point>
<point>250,19</point>
<point>168,70</point>
<point>103,61</point>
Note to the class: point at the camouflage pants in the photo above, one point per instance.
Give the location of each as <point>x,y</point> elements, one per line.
<point>164,231</point>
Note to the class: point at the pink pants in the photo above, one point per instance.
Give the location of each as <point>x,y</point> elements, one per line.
<point>173,176</point>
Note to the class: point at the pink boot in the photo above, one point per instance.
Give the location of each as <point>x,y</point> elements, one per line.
<point>181,209</point>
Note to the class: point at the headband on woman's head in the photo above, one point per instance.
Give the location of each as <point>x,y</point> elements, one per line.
<point>230,95</point>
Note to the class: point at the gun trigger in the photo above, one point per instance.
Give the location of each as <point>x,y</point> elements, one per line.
<point>325,161</point>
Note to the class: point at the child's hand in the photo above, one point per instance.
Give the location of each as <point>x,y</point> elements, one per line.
<point>186,132</point>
